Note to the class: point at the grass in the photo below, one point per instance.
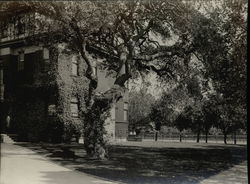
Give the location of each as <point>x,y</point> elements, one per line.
<point>149,162</point>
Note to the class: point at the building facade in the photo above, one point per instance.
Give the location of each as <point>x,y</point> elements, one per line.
<point>43,90</point>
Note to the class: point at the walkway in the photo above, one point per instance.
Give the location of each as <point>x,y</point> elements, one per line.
<point>231,176</point>
<point>22,166</point>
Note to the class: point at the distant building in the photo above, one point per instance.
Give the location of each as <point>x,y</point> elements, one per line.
<point>42,90</point>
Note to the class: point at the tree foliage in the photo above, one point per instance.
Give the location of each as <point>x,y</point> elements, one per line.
<point>220,38</point>
<point>140,103</point>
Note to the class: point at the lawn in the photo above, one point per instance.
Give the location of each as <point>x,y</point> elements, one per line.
<point>150,162</point>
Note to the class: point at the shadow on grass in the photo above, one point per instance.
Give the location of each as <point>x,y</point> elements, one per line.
<point>135,164</point>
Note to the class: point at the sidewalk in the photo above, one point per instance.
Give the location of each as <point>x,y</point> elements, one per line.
<point>20,165</point>
<point>231,176</point>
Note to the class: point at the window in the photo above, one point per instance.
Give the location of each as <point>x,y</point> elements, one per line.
<point>74,107</point>
<point>112,113</point>
<point>20,25</point>
<point>52,110</point>
<point>45,54</point>
<point>20,62</point>
<point>4,30</point>
<point>125,111</point>
<point>75,65</point>
<point>126,105</point>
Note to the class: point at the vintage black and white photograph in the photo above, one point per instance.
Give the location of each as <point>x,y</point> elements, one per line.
<point>123,92</point>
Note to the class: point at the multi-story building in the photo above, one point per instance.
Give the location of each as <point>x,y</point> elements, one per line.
<point>43,88</point>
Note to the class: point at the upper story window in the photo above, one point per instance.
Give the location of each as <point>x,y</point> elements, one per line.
<point>125,105</point>
<point>20,25</point>
<point>74,107</point>
<point>125,111</point>
<point>4,30</point>
<point>20,61</point>
<point>75,65</point>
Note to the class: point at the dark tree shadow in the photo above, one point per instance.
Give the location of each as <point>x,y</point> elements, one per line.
<point>135,164</point>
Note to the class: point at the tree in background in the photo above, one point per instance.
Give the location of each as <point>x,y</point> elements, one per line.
<point>169,105</point>
<point>140,103</point>
<point>210,116</point>
<point>220,39</point>
<point>240,120</point>
<point>182,122</point>
<point>157,117</point>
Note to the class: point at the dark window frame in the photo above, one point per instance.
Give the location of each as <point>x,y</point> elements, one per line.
<point>20,61</point>
<point>125,109</point>
<point>4,30</point>
<point>20,25</point>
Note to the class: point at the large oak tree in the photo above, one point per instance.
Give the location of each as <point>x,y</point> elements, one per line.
<point>131,36</point>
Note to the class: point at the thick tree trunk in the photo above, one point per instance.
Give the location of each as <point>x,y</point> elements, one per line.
<point>180,136</point>
<point>94,142</point>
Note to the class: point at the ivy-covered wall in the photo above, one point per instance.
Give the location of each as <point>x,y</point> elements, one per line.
<point>29,94</point>
<point>70,86</point>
